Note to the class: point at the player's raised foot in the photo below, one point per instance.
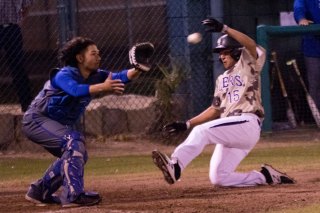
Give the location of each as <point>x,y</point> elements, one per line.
<point>35,195</point>
<point>274,176</point>
<point>84,199</point>
<point>170,171</point>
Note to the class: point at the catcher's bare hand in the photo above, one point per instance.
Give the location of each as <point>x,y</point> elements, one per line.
<point>140,54</point>
<point>175,127</point>
<point>115,86</point>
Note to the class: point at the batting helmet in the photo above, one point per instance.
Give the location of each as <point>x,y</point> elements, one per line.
<point>227,42</point>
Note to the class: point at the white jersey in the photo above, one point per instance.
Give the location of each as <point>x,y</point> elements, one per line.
<point>238,90</point>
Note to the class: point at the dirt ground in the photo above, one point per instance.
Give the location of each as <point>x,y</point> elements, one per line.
<point>194,193</point>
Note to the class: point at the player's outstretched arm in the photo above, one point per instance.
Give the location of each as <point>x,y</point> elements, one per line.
<point>213,25</point>
<point>109,85</point>
<point>244,40</point>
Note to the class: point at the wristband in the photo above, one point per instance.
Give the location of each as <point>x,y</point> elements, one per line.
<point>188,124</point>
<point>138,70</point>
<point>225,28</point>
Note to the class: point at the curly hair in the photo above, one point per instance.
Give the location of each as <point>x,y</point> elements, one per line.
<point>68,52</point>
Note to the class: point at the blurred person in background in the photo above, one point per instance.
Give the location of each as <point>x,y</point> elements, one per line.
<point>12,15</point>
<point>307,12</point>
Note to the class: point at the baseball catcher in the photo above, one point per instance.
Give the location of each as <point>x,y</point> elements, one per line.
<point>51,119</point>
<point>232,122</point>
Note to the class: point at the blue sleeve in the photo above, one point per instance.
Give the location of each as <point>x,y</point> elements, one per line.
<point>299,10</point>
<point>122,75</point>
<point>68,84</point>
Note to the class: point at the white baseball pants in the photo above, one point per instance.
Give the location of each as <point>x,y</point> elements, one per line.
<point>234,137</point>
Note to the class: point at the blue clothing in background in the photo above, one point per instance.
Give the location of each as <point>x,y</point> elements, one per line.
<point>309,9</point>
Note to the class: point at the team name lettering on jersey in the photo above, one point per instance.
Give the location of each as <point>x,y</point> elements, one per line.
<point>230,86</point>
<point>231,80</point>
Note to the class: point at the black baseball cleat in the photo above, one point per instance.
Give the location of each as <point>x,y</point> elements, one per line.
<point>84,199</point>
<point>274,176</point>
<point>171,172</point>
<point>36,196</point>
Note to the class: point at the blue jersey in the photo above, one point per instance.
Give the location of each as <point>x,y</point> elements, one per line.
<point>309,9</point>
<point>65,95</point>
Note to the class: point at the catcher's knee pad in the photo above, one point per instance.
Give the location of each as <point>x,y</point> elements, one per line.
<point>75,146</point>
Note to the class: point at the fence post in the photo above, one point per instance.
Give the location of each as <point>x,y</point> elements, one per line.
<point>72,18</point>
<point>67,20</point>
<point>61,10</point>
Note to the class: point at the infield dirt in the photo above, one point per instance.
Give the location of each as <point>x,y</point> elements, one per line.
<point>194,193</point>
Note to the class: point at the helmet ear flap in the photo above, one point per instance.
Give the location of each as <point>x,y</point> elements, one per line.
<point>236,53</point>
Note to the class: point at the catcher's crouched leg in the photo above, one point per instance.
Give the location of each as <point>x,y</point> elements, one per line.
<point>74,159</point>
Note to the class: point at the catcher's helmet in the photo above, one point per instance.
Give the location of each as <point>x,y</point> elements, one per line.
<point>227,42</point>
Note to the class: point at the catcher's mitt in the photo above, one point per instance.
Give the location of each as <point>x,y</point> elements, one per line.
<point>140,54</point>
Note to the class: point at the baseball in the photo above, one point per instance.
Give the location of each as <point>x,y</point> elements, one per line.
<point>194,38</point>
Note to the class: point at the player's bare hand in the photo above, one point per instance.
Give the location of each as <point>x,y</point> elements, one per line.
<point>175,127</point>
<point>115,86</point>
<point>305,22</point>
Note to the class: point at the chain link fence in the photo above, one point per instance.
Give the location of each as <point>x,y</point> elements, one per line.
<point>179,84</point>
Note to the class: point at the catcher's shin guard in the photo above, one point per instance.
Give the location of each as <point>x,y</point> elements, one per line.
<point>74,159</point>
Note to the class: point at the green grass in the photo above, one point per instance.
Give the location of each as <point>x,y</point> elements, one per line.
<point>297,157</point>
<point>119,165</point>
<point>21,168</point>
<point>24,168</point>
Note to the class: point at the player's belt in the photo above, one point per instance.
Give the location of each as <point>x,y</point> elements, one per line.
<point>254,115</point>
